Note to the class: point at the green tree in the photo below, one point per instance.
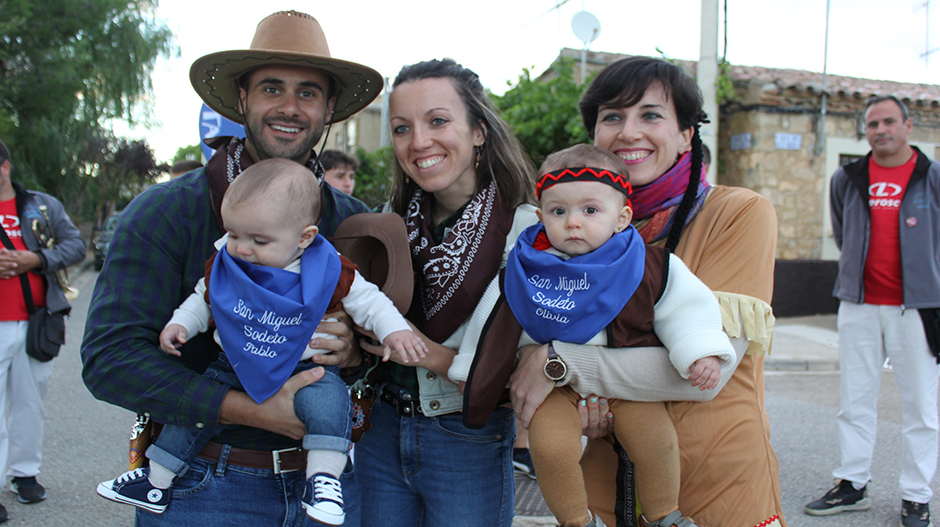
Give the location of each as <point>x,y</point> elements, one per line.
<point>373,176</point>
<point>544,113</point>
<point>116,170</point>
<point>192,152</point>
<point>67,68</point>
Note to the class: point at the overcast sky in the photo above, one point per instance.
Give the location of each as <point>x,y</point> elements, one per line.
<point>876,39</point>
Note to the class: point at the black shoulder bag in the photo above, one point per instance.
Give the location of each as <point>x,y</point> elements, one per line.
<point>45,333</point>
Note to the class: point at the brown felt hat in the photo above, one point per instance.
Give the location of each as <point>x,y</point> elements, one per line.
<point>378,244</point>
<point>286,38</point>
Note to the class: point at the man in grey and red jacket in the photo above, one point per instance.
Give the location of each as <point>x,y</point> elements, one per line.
<point>885,219</point>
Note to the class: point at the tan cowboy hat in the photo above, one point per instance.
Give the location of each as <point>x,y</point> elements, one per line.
<point>378,244</point>
<point>283,38</point>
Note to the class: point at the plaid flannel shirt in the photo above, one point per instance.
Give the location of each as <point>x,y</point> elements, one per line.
<point>157,255</point>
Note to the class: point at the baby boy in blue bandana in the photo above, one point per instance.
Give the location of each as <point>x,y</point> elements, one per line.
<point>270,284</point>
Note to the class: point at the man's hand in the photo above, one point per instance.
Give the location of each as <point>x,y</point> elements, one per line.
<point>276,414</point>
<point>343,350</point>
<point>528,384</point>
<point>14,263</point>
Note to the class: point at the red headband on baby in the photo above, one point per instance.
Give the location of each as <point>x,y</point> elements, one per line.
<point>618,181</point>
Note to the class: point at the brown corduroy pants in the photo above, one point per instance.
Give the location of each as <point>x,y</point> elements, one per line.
<point>646,433</point>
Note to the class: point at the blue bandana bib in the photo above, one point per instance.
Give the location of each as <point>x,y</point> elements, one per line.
<point>572,300</point>
<point>265,316</point>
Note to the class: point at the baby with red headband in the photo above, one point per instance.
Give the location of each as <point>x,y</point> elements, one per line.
<point>585,276</point>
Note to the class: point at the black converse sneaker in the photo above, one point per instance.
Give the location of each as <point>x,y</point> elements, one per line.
<point>323,499</point>
<point>843,497</point>
<point>133,488</point>
<point>915,514</point>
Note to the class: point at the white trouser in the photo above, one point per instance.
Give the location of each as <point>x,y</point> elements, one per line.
<point>867,334</point>
<point>23,384</point>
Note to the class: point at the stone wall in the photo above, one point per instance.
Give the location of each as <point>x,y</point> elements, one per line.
<point>795,181</point>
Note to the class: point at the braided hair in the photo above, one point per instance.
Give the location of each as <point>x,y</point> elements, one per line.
<point>691,190</point>
<point>623,83</point>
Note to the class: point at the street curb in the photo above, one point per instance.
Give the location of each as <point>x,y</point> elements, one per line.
<point>789,365</point>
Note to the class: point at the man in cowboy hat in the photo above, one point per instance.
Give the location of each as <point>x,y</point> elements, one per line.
<point>285,89</point>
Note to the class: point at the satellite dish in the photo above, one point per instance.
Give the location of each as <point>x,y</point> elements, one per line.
<point>586,27</point>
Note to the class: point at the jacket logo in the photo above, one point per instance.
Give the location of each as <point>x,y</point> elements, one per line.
<point>884,190</point>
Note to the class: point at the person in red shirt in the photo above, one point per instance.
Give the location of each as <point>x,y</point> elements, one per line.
<point>884,217</point>
<point>25,215</point>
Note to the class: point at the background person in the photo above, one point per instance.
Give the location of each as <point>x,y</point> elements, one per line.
<point>284,96</point>
<point>885,208</point>
<point>464,186</point>
<point>181,167</point>
<point>646,112</point>
<point>340,169</point>
<point>23,379</point>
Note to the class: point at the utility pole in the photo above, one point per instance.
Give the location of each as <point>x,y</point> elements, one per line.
<point>706,77</point>
<point>927,51</point>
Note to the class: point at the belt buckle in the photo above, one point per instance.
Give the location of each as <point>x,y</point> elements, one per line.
<point>407,408</point>
<point>403,404</point>
<point>276,459</point>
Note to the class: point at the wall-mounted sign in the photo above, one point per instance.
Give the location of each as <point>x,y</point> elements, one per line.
<point>740,141</point>
<point>788,141</point>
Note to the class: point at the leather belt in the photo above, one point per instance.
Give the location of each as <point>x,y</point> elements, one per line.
<point>279,461</point>
<point>405,404</point>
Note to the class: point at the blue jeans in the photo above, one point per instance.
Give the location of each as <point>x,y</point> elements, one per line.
<point>215,494</point>
<point>434,472</point>
<point>324,407</point>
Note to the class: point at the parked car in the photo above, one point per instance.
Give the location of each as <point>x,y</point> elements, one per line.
<point>102,239</point>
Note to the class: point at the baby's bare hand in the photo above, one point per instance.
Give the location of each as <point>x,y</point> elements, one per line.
<point>172,337</point>
<point>705,373</point>
<point>408,346</point>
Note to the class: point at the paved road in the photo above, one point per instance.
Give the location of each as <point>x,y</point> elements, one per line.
<point>86,440</point>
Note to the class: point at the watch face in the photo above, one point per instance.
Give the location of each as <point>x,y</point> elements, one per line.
<point>555,369</point>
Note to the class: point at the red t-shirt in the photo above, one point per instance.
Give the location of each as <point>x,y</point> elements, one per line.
<point>13,306</point>
<point>886,187</point>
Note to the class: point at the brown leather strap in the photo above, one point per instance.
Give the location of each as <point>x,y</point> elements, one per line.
<point>278,461</point>
<point>493,363</point>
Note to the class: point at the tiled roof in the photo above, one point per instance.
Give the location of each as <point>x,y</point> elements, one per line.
<point>838,85</point>
<point>808,82</point>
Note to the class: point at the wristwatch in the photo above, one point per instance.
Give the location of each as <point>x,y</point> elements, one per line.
<point>554,368</point>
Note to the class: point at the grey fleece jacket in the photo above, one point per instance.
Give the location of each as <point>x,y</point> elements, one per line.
<point>68,250</point>
<point>919,231</point>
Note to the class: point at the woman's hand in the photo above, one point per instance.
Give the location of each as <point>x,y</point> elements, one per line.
<point>529,386</point>
<point>344,350</point>
<point>596,418</point>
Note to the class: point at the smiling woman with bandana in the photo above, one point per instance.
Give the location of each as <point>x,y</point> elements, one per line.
<point>464,187</point>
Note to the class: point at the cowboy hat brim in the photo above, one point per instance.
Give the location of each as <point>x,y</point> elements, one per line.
<point>215,78</point>
<point>378,244</point>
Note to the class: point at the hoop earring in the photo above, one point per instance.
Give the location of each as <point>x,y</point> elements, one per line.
<point>476,165</point>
